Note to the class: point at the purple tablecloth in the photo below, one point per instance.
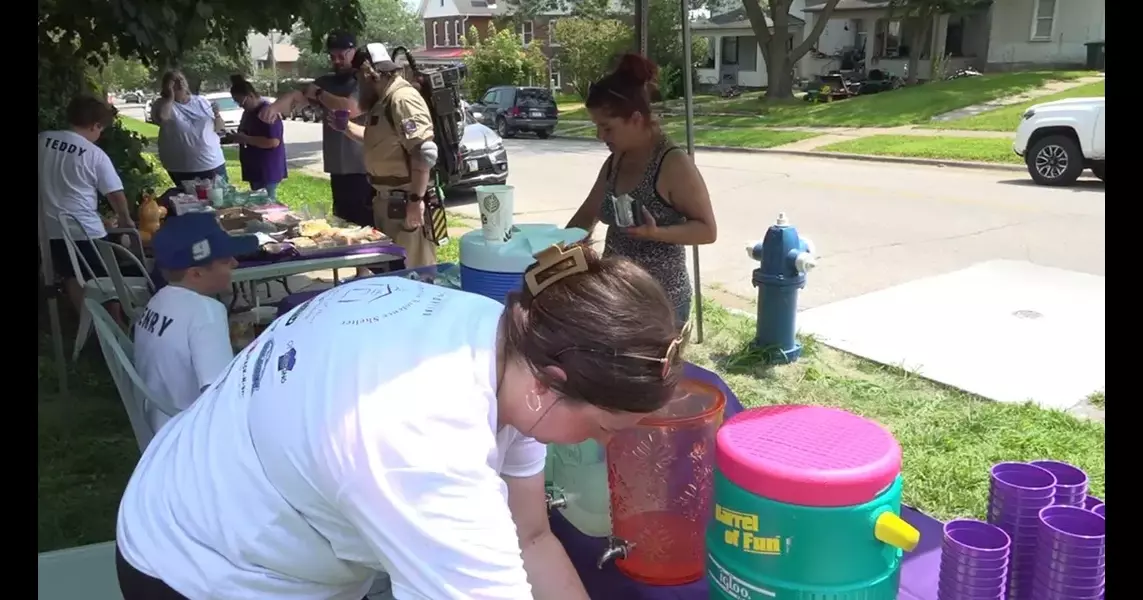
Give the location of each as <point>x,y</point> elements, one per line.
<point>918,575</point>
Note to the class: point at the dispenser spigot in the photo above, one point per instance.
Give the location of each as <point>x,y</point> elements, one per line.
<point>555,498</point>
<point>616,548</point>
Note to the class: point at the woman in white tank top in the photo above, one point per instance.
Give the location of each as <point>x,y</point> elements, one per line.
<point>189,146</point>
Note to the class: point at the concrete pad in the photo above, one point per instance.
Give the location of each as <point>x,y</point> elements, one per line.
<point>1007,330</point>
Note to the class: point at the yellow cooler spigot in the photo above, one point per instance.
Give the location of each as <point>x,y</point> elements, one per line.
<point>893,530</point>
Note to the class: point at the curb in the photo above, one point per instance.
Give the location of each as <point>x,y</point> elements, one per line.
<point>930,162</point>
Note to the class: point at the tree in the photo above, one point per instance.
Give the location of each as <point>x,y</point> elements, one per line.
<point>498,59</point>
<point>208,67</point>
<point>121,74</point>
<point>390,22</point>
<point>665,45</point>
<point>774,42</point>
<point>588,48</point>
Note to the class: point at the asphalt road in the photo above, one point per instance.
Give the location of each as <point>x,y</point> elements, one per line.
<point>874,225</point>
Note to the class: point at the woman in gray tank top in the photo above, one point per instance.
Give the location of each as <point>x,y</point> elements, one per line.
<point>649,192</point>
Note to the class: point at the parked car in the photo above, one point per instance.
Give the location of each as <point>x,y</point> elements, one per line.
<point>510,109</point>
<point>483,159</point>
<point>135,97</point>
<point>305,112</point>
<point>231,113</point>
<point>1058,140</point>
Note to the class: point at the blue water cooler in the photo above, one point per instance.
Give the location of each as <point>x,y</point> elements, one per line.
<point>494,269</point>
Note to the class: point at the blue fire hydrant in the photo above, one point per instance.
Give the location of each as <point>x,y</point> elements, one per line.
<point>786,258</point>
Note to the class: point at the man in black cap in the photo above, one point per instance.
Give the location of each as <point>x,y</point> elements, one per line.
<point>352,193</point>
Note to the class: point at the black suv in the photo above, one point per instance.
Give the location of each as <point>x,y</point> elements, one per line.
<point>510,109</point>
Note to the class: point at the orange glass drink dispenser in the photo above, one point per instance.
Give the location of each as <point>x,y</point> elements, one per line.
<point>660,475</point>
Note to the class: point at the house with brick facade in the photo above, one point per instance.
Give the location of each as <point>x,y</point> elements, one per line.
<point>446,22</point>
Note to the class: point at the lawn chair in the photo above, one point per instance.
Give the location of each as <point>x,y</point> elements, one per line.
<point>132,299</point>
<point>86,572</point>
<point>117,351</point>
<point>101,289</point>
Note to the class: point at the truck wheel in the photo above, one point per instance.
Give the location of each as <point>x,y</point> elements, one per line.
<point>1098,169</point>
<point>1055,160</point>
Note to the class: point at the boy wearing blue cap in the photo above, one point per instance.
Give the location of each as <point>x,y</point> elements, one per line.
<point>182,338</point>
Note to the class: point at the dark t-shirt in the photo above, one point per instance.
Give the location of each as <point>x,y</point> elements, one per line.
<point>262,166</point>
<point>341,155</point>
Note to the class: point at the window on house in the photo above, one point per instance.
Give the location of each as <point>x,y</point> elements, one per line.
<point>556,82</point>
<point>478,3</point>
<point>888,39</point>
<point>526,32</point>
<point>436,35</point>
<point>708,60</point>
<point>552,32</point>
<point>1044,19</point>
<point>458,32</point>
<point>954,37</point>
<point>747,53</point>
<point>448,38</point>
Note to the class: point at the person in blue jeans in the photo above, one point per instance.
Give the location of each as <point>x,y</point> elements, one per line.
<point>261,150</point>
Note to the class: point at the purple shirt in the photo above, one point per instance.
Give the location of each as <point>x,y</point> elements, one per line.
<point>261,166</point>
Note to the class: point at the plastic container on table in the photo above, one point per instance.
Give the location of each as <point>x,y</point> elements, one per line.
<point>807,505</point>
<point>497,269</point>
<point>579,472</point>
<point>659,474</point>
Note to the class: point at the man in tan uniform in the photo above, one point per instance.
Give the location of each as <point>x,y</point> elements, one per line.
<point>399,152</point>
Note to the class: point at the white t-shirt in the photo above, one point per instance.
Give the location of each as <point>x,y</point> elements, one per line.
<point>357,434</point>
<point>188,142</point>
<point>72,172</point>
<point>182,344</point>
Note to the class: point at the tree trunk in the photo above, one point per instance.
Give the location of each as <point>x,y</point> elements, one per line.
<point>920,37</point>
<point>780,62</point>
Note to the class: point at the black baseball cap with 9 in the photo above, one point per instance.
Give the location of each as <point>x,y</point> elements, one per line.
<point>340,40</point>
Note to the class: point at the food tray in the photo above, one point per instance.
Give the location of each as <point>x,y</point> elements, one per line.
<point>349,250</point>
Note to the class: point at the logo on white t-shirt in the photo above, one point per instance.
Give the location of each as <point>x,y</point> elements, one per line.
<point>286,361</point>
<point>260,365</point>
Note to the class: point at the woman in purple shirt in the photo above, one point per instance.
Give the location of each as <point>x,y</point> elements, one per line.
<point>261,149</point>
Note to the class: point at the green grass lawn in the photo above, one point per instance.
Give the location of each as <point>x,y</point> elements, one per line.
<point>907,106</point>
<point>739,137</point>
<point>86,450</point>
<point>1008,117</point>
<point>143,128</point>
<point>990,150</point>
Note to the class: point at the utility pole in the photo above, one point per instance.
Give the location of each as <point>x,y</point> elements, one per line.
<point>273,62</point>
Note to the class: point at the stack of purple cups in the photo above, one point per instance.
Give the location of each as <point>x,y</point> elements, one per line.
<point>974,561</point>
<point>1091,502</point>
<point>1070,562</point>
<point>1017,493</point>
<point>1098,510</point>
<point>1071,482</point>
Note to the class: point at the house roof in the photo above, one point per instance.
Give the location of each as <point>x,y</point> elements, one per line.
<point>736,19</point>
<point>850,5</point>
<point>479,8</point>
<point>283,53</point>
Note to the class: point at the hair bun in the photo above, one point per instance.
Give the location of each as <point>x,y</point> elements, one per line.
<point>637,68</point>
<point>237,80</point>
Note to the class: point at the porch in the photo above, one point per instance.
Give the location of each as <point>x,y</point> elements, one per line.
<point>733,55</point>
<point>860,29</point>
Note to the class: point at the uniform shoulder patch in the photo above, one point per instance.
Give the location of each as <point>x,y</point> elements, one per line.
<point>409,125</point>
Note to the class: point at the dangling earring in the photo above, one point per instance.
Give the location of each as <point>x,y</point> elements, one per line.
<point>533,402</point>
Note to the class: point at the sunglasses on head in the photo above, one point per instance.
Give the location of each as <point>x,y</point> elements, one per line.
<point>666,360</point>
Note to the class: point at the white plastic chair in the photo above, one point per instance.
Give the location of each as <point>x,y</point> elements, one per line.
<point>101,289</point>
<point>132,299</point>
<point>117,352</point>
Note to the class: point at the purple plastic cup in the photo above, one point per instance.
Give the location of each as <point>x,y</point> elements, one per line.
<point>969,593</point>
<point>976,539</point>
<point>1071,481</point>
<point>1021,480</point>
<point>1090,502</point>
<point>1057,581</point>
<point>1063,560</point>
<point>340,119</point>
<point>1050,571</point>
<point>1072,527</point>
<point>959,562</point>
<point>1098,510</point>
<point>1042,591</point>
<point>946,595</point>
<point>956,570</point>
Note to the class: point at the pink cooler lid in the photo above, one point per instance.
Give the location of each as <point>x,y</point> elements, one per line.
<point>808,455</point>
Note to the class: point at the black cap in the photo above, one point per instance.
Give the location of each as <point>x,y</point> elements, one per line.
<point>340,40</point>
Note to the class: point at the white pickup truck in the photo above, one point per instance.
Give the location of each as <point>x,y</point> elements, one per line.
<point>1058,140</point>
